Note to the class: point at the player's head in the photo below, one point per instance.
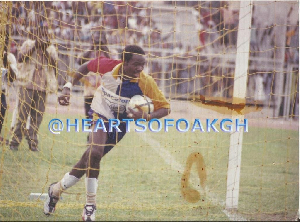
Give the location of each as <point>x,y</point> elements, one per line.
<point>133,60</point>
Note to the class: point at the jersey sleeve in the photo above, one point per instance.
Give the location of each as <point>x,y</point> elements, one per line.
<point>102,65</point>
<point>150,89</point>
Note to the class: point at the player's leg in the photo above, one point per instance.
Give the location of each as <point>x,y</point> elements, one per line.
<point>87,106</point>
<point>55,190</point>
<point>101,144</point>
<point>25,97</point>
<point>93,167</point>
<point>93,156</point>
<point>36,115</point>
<point>89,164</point>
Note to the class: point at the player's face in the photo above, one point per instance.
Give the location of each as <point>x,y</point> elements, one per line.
<point>134,66</point>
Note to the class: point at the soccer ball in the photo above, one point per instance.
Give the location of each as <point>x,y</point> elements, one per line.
<point>144,102</point>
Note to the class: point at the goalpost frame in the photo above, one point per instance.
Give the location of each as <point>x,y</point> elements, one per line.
<point>239,94</point>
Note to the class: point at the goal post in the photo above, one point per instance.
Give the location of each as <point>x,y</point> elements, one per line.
<point>239,95</point>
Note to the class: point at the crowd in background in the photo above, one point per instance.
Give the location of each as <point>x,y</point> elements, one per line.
<point>78,21</point>
<point>124,23</point>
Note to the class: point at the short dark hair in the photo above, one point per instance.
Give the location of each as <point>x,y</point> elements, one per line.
<point>130,50</point>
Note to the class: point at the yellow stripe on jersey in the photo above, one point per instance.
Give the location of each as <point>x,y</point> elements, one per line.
<point>148,87</point>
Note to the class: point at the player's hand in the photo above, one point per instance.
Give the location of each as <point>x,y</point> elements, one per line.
<point>139,114</point>
<point>64,99</point>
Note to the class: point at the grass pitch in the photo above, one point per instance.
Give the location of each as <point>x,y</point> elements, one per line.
<point>138,182</point>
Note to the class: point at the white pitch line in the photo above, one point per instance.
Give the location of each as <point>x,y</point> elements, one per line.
<point>170,160</point>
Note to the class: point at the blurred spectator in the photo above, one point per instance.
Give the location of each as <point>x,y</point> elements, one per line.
<point>92,80</point>
<point>109,8</point>
<point>292,44</point>
<point>207,30</point>
<point>37,57</point>
<point>230,22</point>
<point>63,24</point>
<point>86,30</point>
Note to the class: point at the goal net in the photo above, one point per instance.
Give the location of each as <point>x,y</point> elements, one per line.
<point>230,71</point>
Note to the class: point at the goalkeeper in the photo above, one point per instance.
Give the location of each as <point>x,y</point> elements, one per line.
<point>120,80</point>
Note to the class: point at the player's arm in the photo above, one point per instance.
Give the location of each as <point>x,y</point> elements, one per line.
<point>140,114</point>
<point>83,58</point>
<point>99,65</point>
<point>82,71</point>
<point>161,105</point>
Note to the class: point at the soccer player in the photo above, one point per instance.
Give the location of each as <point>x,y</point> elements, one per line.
<point>121,80</point>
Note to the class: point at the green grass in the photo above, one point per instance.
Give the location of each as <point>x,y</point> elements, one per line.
<point>136,183</point>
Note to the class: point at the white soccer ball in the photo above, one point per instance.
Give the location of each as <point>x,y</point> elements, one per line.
<point>144,102</point>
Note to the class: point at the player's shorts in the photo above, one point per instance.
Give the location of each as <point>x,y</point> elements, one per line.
<point>112,137</point>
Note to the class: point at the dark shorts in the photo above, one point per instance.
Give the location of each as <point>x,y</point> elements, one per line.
<point>112,137</point>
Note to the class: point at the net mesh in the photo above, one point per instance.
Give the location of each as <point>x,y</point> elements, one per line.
<point>191,51</point>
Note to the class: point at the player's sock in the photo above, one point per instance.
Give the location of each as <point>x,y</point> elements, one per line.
<point>91,185</point>
<point>66,182</point>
